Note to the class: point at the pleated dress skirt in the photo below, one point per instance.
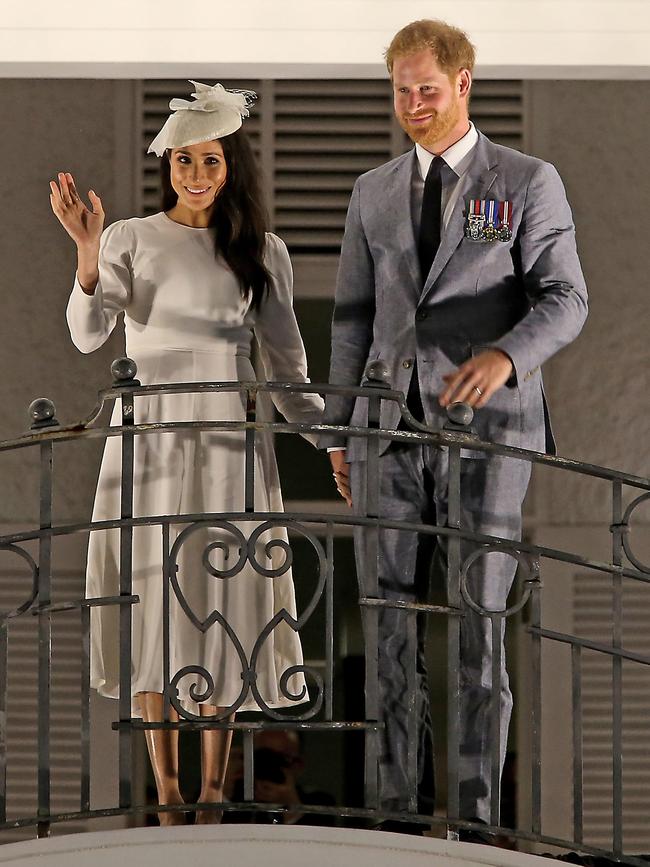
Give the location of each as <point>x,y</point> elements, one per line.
<point>220,607</point>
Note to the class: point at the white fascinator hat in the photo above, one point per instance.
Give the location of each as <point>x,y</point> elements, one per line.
<point>213,113</point>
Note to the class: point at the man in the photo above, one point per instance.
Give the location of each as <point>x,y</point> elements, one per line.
<point>459,271</point>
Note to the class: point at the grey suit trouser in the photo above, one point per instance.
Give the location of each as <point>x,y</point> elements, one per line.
<point>413,488</point>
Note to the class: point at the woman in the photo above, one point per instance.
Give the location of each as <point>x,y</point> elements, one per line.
<point>195,282</point>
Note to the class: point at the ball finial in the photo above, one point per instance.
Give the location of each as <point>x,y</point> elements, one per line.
<point>377,373</point>
<point>460,413</point>
<point>41,413</point>
<point>123,370</point>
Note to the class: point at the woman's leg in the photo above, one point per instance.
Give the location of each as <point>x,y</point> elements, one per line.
<point>215,748</point>
<point>163,753</point>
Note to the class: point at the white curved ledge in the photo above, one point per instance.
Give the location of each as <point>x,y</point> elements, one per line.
<point>255,845</point>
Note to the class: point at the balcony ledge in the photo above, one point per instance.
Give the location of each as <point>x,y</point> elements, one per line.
<point>252,845</point>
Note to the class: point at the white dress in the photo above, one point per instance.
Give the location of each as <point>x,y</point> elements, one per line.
<point>186,321</point>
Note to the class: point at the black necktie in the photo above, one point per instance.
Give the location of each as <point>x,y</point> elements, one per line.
<point>430,218</point>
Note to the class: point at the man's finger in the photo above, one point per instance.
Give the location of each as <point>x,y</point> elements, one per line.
<point>471,391</point>
<point>341,473</point>
<point>344,491</point>
<point>455,382</point>
<point>488,391</point>
<point>343,487</point>
<point>342,483</point>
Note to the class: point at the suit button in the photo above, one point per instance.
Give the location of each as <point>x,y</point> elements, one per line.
<point>421,314</point>
<point>407,363</point>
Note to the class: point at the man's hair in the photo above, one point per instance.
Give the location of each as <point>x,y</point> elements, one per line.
<point>450,46</point>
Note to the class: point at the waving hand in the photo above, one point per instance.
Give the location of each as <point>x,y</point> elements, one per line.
<point>82,224</point>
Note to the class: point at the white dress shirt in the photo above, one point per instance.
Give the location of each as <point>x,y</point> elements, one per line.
<point>459,158</point>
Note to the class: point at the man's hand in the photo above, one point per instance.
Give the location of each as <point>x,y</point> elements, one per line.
<point>476,380</point>
<point>341,474</point>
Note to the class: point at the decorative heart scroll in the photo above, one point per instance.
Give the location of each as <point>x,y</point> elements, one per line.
<point>247,554</point>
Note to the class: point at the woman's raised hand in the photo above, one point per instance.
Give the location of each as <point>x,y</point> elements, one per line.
<point>82,224</point>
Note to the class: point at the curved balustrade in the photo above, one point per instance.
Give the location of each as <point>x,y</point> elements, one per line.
<point>243,533</point>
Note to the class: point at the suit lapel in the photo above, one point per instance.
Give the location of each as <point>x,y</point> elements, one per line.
<point>398,219</point>
<point>477,183</point>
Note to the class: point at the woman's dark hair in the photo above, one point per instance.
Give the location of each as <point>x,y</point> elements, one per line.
<point>239,216</point>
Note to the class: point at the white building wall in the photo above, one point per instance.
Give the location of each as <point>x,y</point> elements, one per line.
<point>316,38</point>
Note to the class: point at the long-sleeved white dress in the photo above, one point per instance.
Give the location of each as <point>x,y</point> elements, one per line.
<point>186,321</point>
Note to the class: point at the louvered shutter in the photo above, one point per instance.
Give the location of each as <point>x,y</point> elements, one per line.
<point>326,134</point>
<point>23,699</point>
<point>592,606</point>
<point>498,110</point>
<point>24,704</point>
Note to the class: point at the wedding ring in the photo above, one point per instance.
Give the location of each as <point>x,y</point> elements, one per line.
<point>478,391</point>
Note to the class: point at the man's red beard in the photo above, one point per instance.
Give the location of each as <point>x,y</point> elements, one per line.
<point>439,126</point>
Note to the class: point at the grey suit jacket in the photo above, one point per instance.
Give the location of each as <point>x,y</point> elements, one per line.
<point>526,296</point>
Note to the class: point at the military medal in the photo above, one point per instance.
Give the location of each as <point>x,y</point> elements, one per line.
<point>488,220</point>
<point>505,221</point>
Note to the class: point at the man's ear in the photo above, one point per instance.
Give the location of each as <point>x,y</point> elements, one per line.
<point>464,82</point>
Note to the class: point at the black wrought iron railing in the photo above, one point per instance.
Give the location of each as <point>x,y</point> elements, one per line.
<point>241,531</point>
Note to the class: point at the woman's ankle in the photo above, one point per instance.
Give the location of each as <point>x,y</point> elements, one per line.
<point>211,796</point>
<point>169,799</point>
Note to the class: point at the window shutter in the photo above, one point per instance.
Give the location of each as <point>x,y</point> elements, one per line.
<point>326,133</point>
<point>592,602</point>
<point>23,700</point>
